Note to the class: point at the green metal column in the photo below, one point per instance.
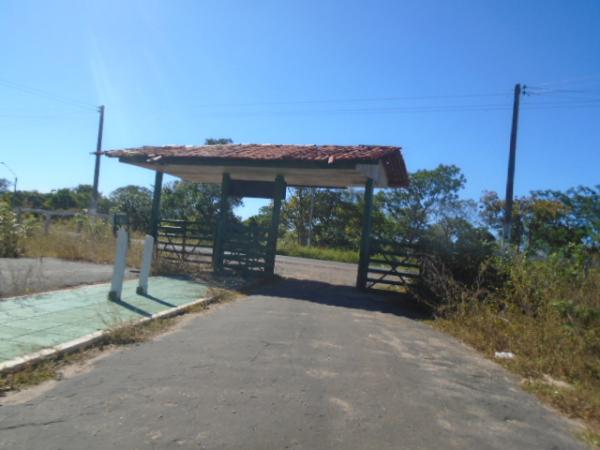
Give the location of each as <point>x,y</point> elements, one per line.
<point>365,238</point>
<point>155,215</point>
<point>221,225</point>
<point>274,230</point>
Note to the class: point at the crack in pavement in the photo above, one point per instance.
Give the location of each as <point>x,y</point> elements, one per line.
<point>32,424</point>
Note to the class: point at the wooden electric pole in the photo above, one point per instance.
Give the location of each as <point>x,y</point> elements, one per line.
<point>510,180</point>
<point>94,205</point>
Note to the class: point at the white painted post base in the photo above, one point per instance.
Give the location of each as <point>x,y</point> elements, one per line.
<point>146,264</point>
<point>116,286</point>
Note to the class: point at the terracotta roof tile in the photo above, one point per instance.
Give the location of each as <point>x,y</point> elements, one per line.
<point>390,156</point>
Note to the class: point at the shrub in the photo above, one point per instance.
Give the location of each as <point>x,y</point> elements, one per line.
<point>12,233</point>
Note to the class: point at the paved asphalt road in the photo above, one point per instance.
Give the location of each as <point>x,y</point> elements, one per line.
<point>298,364</point>
<point>44,274</point>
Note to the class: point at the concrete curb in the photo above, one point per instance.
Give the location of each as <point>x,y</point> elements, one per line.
<point>92,338</point>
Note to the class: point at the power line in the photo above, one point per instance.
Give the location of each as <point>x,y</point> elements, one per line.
<point>350,100</point>
<point>43,116</point>
<point>579,102</point>
<point>577,80</point>
<point>45,94</point>
<point>576,103</point>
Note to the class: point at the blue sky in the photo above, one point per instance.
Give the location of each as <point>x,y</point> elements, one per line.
<point>434,77</point>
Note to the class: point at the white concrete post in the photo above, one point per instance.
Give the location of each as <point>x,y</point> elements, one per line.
<point>146,264</point>
<point>116,286</point>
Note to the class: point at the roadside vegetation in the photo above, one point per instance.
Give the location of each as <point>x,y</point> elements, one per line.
<point>545,312</point>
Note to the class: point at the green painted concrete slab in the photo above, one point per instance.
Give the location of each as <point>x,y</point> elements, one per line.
<point>34,322</point>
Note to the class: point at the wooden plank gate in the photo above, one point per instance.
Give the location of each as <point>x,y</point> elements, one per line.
<point>393,264</point>
<point>184,241</point>
<point>245,247</point>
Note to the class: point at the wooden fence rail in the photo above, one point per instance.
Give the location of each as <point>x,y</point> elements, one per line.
<point>61,213</point>
<point>184,241</point>
<point>393,264</point>
<point>245,248</point>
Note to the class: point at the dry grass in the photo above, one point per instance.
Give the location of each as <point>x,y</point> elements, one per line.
<point>36,373</point>
<point>18,281</point>
<point>94,243</point>
<point>548,314</point>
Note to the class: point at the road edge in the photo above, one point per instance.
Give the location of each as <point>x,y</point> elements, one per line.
<point>93,338</point>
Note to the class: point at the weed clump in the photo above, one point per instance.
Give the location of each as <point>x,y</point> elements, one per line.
<point>12,233</point>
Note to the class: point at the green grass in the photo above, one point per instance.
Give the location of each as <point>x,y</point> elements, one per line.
<point>329,254</point>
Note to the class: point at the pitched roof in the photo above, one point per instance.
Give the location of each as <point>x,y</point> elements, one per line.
<point>330,155</point>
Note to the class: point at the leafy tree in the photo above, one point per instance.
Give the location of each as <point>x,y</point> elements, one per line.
<point>263,218</point>
<point>61,199</point>
<point>491,212</point>
<point>336,217</point>
<point>431,197</point>
<point>195,202</point>
<point>562,218</point>
<point>78,197</point>
<point>4,185</point>
<point>548,220</point>
<point>295,214</point>
<point>83,195</point>
<point>136,202</point>
<point>219,141</point>
<point>31,199</point>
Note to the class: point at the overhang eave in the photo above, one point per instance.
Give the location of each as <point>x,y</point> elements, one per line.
<point>296,173</point>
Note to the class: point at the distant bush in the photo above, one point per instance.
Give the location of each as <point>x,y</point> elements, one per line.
<point>12,234</point>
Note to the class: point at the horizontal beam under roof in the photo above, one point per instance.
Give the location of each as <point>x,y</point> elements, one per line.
<point>317,176</point>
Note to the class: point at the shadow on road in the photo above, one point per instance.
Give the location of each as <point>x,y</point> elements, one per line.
<point>132,308</point>
<point>158,300</point>
<point>345,297</point>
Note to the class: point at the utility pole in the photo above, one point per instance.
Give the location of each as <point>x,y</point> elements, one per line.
<point>94,205</point>
<point>510,180</point>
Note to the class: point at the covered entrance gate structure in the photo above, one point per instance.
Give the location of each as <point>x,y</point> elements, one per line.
<point>264,171</point>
